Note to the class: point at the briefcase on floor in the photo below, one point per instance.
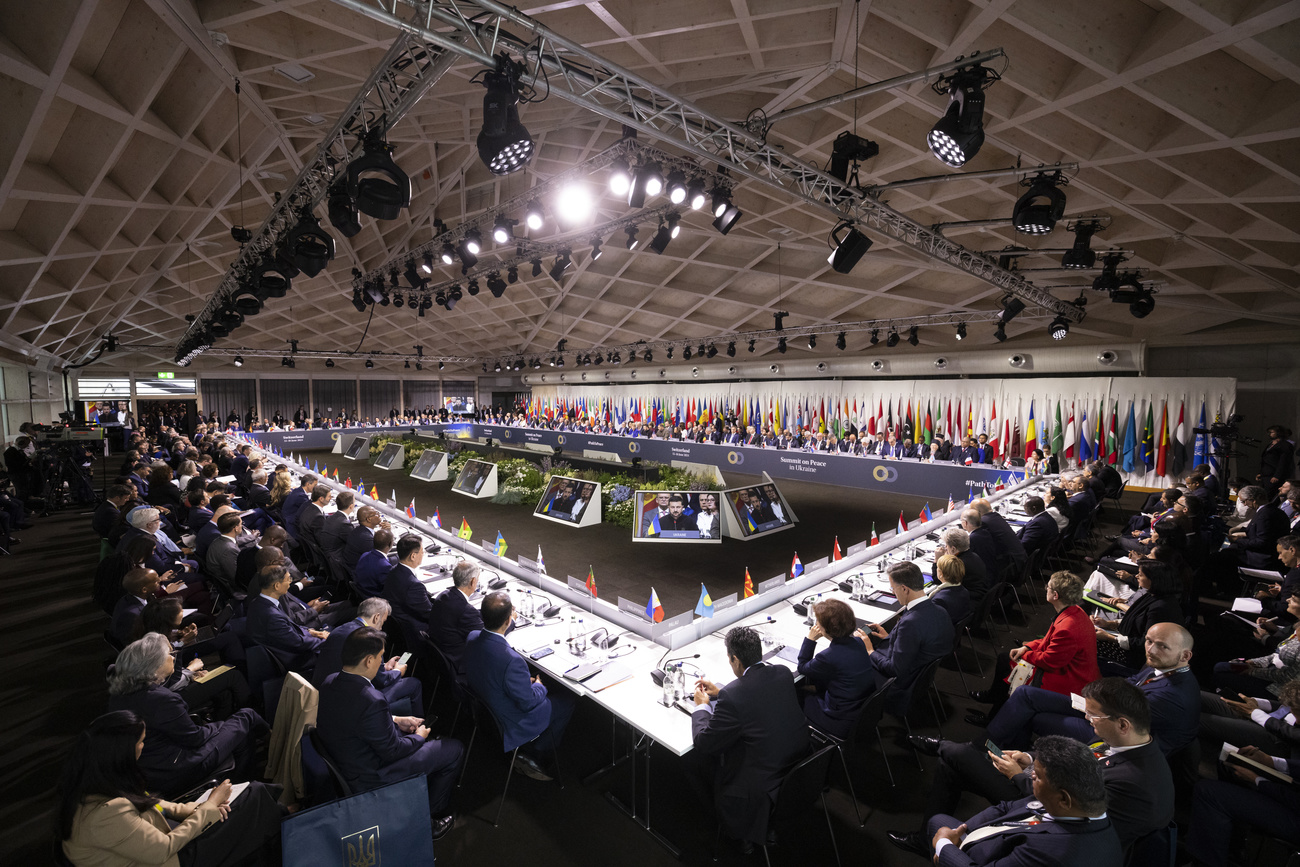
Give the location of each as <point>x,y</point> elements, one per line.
<point>385,827</point>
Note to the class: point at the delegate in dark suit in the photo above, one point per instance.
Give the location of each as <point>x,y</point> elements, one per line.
<point>259,497</point>
<point>105,519</point>
<point>679,522</point>
<point>844,678</point>
<point>270,627</point>
<point>954,599</point>
<point>1086,842</point>
<point>199,515</point>
<point>758,732</point>
<point>291,507</point>
<point>1220,808</point>
<point>125,613</point>
<point>499,676</point>
<point>333,535</point>
<point>409,598</point>
<point>404,695</point>
<point>976,581</point>
<point>1082,505</point>
<point>310,522</point>
<point>1038,534</point>
<point>981,542</point>
<point>451,620</point>
<point>1009,546</point>
<point>360,540</point>
<point>922,634</point>
<point>356,725</point>
<point>372,571</point>
<point>1259,548</point>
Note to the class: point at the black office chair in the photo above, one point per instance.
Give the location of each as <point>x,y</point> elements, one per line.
<point>802,785</point>
<point>868,715</point>
<point>480,710</point>
<point>957,629</point>
<point>266,673</point>
<point>1158,848</point>
<point>924,685</point>
<point>321,777</point>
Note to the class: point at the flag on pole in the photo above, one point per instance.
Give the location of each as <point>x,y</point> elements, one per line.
<point>392,500</point>
<point>336,474</point>
<point>653,609</point>
<point>541,564</point>
<point>1069,434</point>
<point>836,555</point>
<point>925,513</point>
<point>1130,441</point>
<point>703,608</point>
<point>1031,434</point>
<point>902,523</point>
<point>464,532</point>
<point>1179,446</point>
<point>749,585</point>
<point>374,492</point>
<point>348,483</point>
<point>501,544</point>
<point>1085,438</point>
<point>361,486</point>
<point>410,509</point>
<point>1149,438</point>
<point>1112,441</point>
<point>999,486</point>
<point>1200,451</point>
<point>875,539</point>
<point>436,519</point>
<point>1058,436</point>
<point>951,504</point>
<point>591,582</point>
<point>1162,444</point>
<point>796,568</point>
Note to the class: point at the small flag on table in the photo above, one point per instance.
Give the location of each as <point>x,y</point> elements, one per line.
<point>336,474</point>
<point>348,483</point>
<point>926,515</point>
<point>875,538</point>
<point>324,471</point>
<point>464,532</point>
<point>796,568</point>
<point>361,486</point>
<point>501,544</point>
<point>999,486</point>
<point>374,492</point>
<point>749,585</point>
<point>902,523</point>
<point>392,500</point>
<point>410,510</point>
<point>704,608</point>
<point>591,582</point>
<point>836,555</point>
<point>541,564</point>
<point>970,494</point>
<point>436,519</point>
<point>951,504</point>
<point>653,609</point>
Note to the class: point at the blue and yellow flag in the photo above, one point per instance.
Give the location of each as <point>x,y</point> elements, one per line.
<point>501,545</point>
<point>704,608</point>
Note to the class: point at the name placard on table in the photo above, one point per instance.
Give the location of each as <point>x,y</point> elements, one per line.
<point>675,622</point>
<point>770,584</point>
<point>627,606</point>
<point>530,565</point>
<point>722,604</point>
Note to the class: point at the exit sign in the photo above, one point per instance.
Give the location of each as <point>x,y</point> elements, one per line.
<point>166,376</point>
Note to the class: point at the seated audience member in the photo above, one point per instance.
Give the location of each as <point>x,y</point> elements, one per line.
<point>223,552</point>
<point>333,534</point>
<point>981,542</point>
<point>452,618</point>
<point>1222,808</point>
<point>841,676</point>
<point>1255,546</point>
<point>106,816</point>
<point>246,567</point>
<point>1170,687</point>
<point>370,746</point>
<point>1063,821</point>
<point>1274,596</point>
<point>1041,531</point>
<point>921,634</point>
<point>746,735</point>
<point>1269,724</point>
<point>140,585</point>
<point>225,692</point>
<point>313,608</point>
<point>532,717</point>
<point>403,694</point>
<point>311,518</point>
<point>362,537</point>
<point>1064,659</point>
<point>199,513</point>
<point>109,513</point>
<point>1139,784</point>
<point>1263,676</point>
<point>177,753</point>
<point>1118,640</point>
<point>956,541</point>
<point>294,502</point>
<point>1011,552</point>
<point>269,626</point>
<point>409,598</point>
<point>373,566</point>
<point>950,595</point>
<point>1058,507</point>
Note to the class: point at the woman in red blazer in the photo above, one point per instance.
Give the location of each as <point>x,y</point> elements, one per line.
<point>1064,659</point>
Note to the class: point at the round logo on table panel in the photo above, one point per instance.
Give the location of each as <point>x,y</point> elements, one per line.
<point>560,439</point>
<point>735,458</point>
<point>334,437</point>
<point>506,434</point>
<point>885,474</point>
<point>634,447</point>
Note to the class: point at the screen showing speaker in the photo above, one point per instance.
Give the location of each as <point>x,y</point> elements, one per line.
<point>676,516</point>
<point>567,499</point>
<point>426,464</point>
<point>472,475</point>
<point>355,447</point>
<point>758,509</point>
<point>391,456</point>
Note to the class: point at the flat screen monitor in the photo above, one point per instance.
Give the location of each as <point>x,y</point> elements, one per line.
<point>109,413</point>
<point>458,405</point>
<point>676,516</point>
<point>758,509</point>
<point>426,464</point>
<point>567,499</point>
<point>472,476</point>
<point>391,454</point>
<point>355,447</point>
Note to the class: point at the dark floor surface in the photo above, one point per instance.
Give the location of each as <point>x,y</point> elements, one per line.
<point>51,686</point>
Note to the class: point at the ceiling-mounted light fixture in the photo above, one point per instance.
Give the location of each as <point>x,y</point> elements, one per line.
<point>1081,254</point>
<point>958,136</point>
<point>892,340</point>
<point>620,177</point>
<point>310,247</point>
<point>1059,328</point>
<point>660,241</point>
<point>731,349</point>
<point>596,244</point>
<point>631,237</point>
<point>875,336</point>
<point>504,143</point>
<point>369,363</point>
<point>840,342</point>
<point>533,217</point>
<point>342,210</point>
<point>850,246</point>
<point>751,345</point>
<point>780,345</point>
<point>239,361</point>
<point>912,338</point>
<point>329,362</point>
<point>376,183</point>
<point>427,264</point>
<point>686,352</point>
<point>695,195</point>
<point>1043,203</point>
<point>676,186</point>
<point>503,229</point>
<point>648,356</point>
<point>961,330</point>
<point>850,149</point>
<point>1129,290</point>
<point>812,341</point>
<point>512,274</point>
<point>562,261</point>
<point>474,241</point>
<point>468,258</point>
<point>495,285</point>
<point>725,214</point>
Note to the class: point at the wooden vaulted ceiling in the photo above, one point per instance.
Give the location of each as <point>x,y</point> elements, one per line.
<point>119,176</point>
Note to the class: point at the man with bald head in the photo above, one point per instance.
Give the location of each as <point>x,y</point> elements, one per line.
<point>362,537</point>
<point>1167,680</point>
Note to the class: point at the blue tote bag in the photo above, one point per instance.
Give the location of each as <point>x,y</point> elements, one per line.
<point>385,827</point>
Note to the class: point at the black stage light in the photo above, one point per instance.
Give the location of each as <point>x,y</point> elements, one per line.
<point>453,295</point>
<point>713,351</point>
<point>537,267</point>
<point>474,241</point>
<point>419,366</point>
<point>533,216</point>
<point>329,362</point>
<point>631,237</point>
<point>892,340</point>
<point>1037,211</point>
<point>1011,307</point>
<point>379,187</point>
<point>504,144</point>
<point>343,210</point>
<point>248,301</point>
<point>310,246</point>
<point>695,195</point>
<point>812,341</point>
<point>660,241</point>
<point>413,278</point>
<point>428,263</point>
<point>271,279</point>
<point>512,274</point>
<point>959,134</point>
<point>686,352</point>
<point>358,300</point>
<point>616,358</point>
<point>670,353</point>
<point>875,336</point>
<point>1081,255</point>
<point>1108,279</point>
<point>468,259</point>
<point>751,345</point>
<point>699,350</point>
<point>441,298</point>
<point>1143,304</point>
<point>284,361</point>
<point>840,342</point>
<point>497,368</point>
<point>600,359</point>
<point>848,249</point>
<point>620,177</point>
<point>406,364</point>
<point>1059,328</point>
<point>392,279</point>
<point>596,244</point>
<point>849,148</point>
<point>503,229</point>
<point>239,361</point>
<point>562,262</point>
<point>369,364</point>
<point>961,330</point>
<point>731,349</point>
<point>648,356</point>
<point>496,285</point>
<point>397,299</point>
<point>1000,332</point>
<point>725,221</point>
<point>676,186</point>
<point>448,253</point>
<point>912,338</point>
<point>472,286</point>
<point>674,224</point>
<point>780,345</point>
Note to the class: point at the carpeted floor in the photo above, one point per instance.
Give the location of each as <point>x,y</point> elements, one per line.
<point>51,686</point>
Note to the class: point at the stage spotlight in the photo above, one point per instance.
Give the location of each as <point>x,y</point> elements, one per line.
<point>239,361</point>
<point>358,300</point>
<point>727,219</point>
<point>620,177</point>
<point>413,277</point>
<point>1037,211</point>
<point>474,241</point>
<point>676,186</point>
<point>310,246</point>
<point>751,345</point>
<point>562,262</point>
<point>699,350</point>
<point>468,258</point>
<point>1000,332</point>
<point>503,229</point>
<point>533,215</point>
<point>448,253</point>
<point>961,330</point>
<point>1108,279</point>
<point>512,274</point>
<point>731,349</point>
<point>495,284</point>
<point>812,341</point>
<point>674,224</point>
<point>780,345</point>
<point>849,148</point>
<point>1081,255</point>
<point>840,342</point>
<point>537,266</point>
<point>695,195</point>
<point>648,356</point>
<point>472,286</point>
<point>406,365</point>
<point>596,244</point>
<point>369,364</point>
<point>272,278</point>
<point>631,237</point>
<point>660,241</point>
<point>343,210</point>
<point>419,365</point>
<point>559,362</point>
<point>670,353</point>
<point>397,299</point>
<point>1059,328</point>
<point>552,361</point>
<point>441,298</point>
<point>376,183</point>
<point>616,358</point>
<point>848,249</point>
<point>1011,307</point>
<point>892,340</point>
<point>600,359</point>
<point>573,204</point>
<point>686,352</point>
<point>958,135</point>
<point>427,265</point>
<point>875,336</point>
<point>504,144</point>
<point>912,338</point>
<point>329,362</point>
<point>441,365</point>
<point>497,367</point>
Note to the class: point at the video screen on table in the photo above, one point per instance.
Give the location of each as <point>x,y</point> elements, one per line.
<point>676,516</point>
<point>567,499</point>
<point>391,454</point>
<point>758,509</point>
<point>472,475</point>
<point>427,463</point>
<point>354,448</point>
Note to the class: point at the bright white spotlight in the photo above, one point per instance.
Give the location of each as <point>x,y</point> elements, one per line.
<point>574,204</point>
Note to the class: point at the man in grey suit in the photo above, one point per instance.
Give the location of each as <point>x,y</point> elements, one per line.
<point>333,535</point>
<point>223,554</point>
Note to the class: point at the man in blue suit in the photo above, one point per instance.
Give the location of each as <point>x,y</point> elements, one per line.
<point>1066,824</point>
<point>922,634</point>
<point>409,598</point>
<point>1041,531</point>
<point>362,537</point>
<point>293,503</point>
<point>1171,690</point>
<point>370,746</point>
<point>403,694</point>
<point>269,626</point>
<point>529,715</point>
<point>373,566</point>
<point>452,618</point>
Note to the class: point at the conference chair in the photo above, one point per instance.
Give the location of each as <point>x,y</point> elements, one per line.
<point>1159,848</point>
<point>985,610</point>
<point>1118,494</point>
<point>958,628</point>
<point>924,685</point>
<point>320,776</point>
<point>479,711</point>
<point>868,715</point>
<point>266,673</point>
<point>801,786</point>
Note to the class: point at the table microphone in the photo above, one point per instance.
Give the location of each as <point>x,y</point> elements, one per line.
<point>658,675</point>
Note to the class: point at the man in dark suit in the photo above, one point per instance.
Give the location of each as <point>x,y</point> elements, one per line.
<point>259,496</point>
<point>967,453</point>
<point>239,464</point>
<point>140,585</point>
<point>1041,531</point>
<point>1067,825</point>
<point>1277,461</point>
<point>333,534</point>
<point>1082,501</point>
<point>452,618</point>
<point>270,627</point>
<point>312,517</point>
<point>1139,784</point>
<point>532,718</point>
<point>1170,687</point>
<point>676,519</point>
<point>362,537</point>
<point>223,553</point>
<point>981,542</point>
<point>1256,546</point>
<point>1010,550</point>
<point>759,512</point>
<point>403,694</point>
<point>374,565</point>
<point>409,598</point>
<point>922,634</point>
<point>956,541</point>
<point>109,513</point>
<point>199,513</point>
<point>294,503</point>
<point>370,746</point>
<point>1222,808</point>
<point>746,736</point>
